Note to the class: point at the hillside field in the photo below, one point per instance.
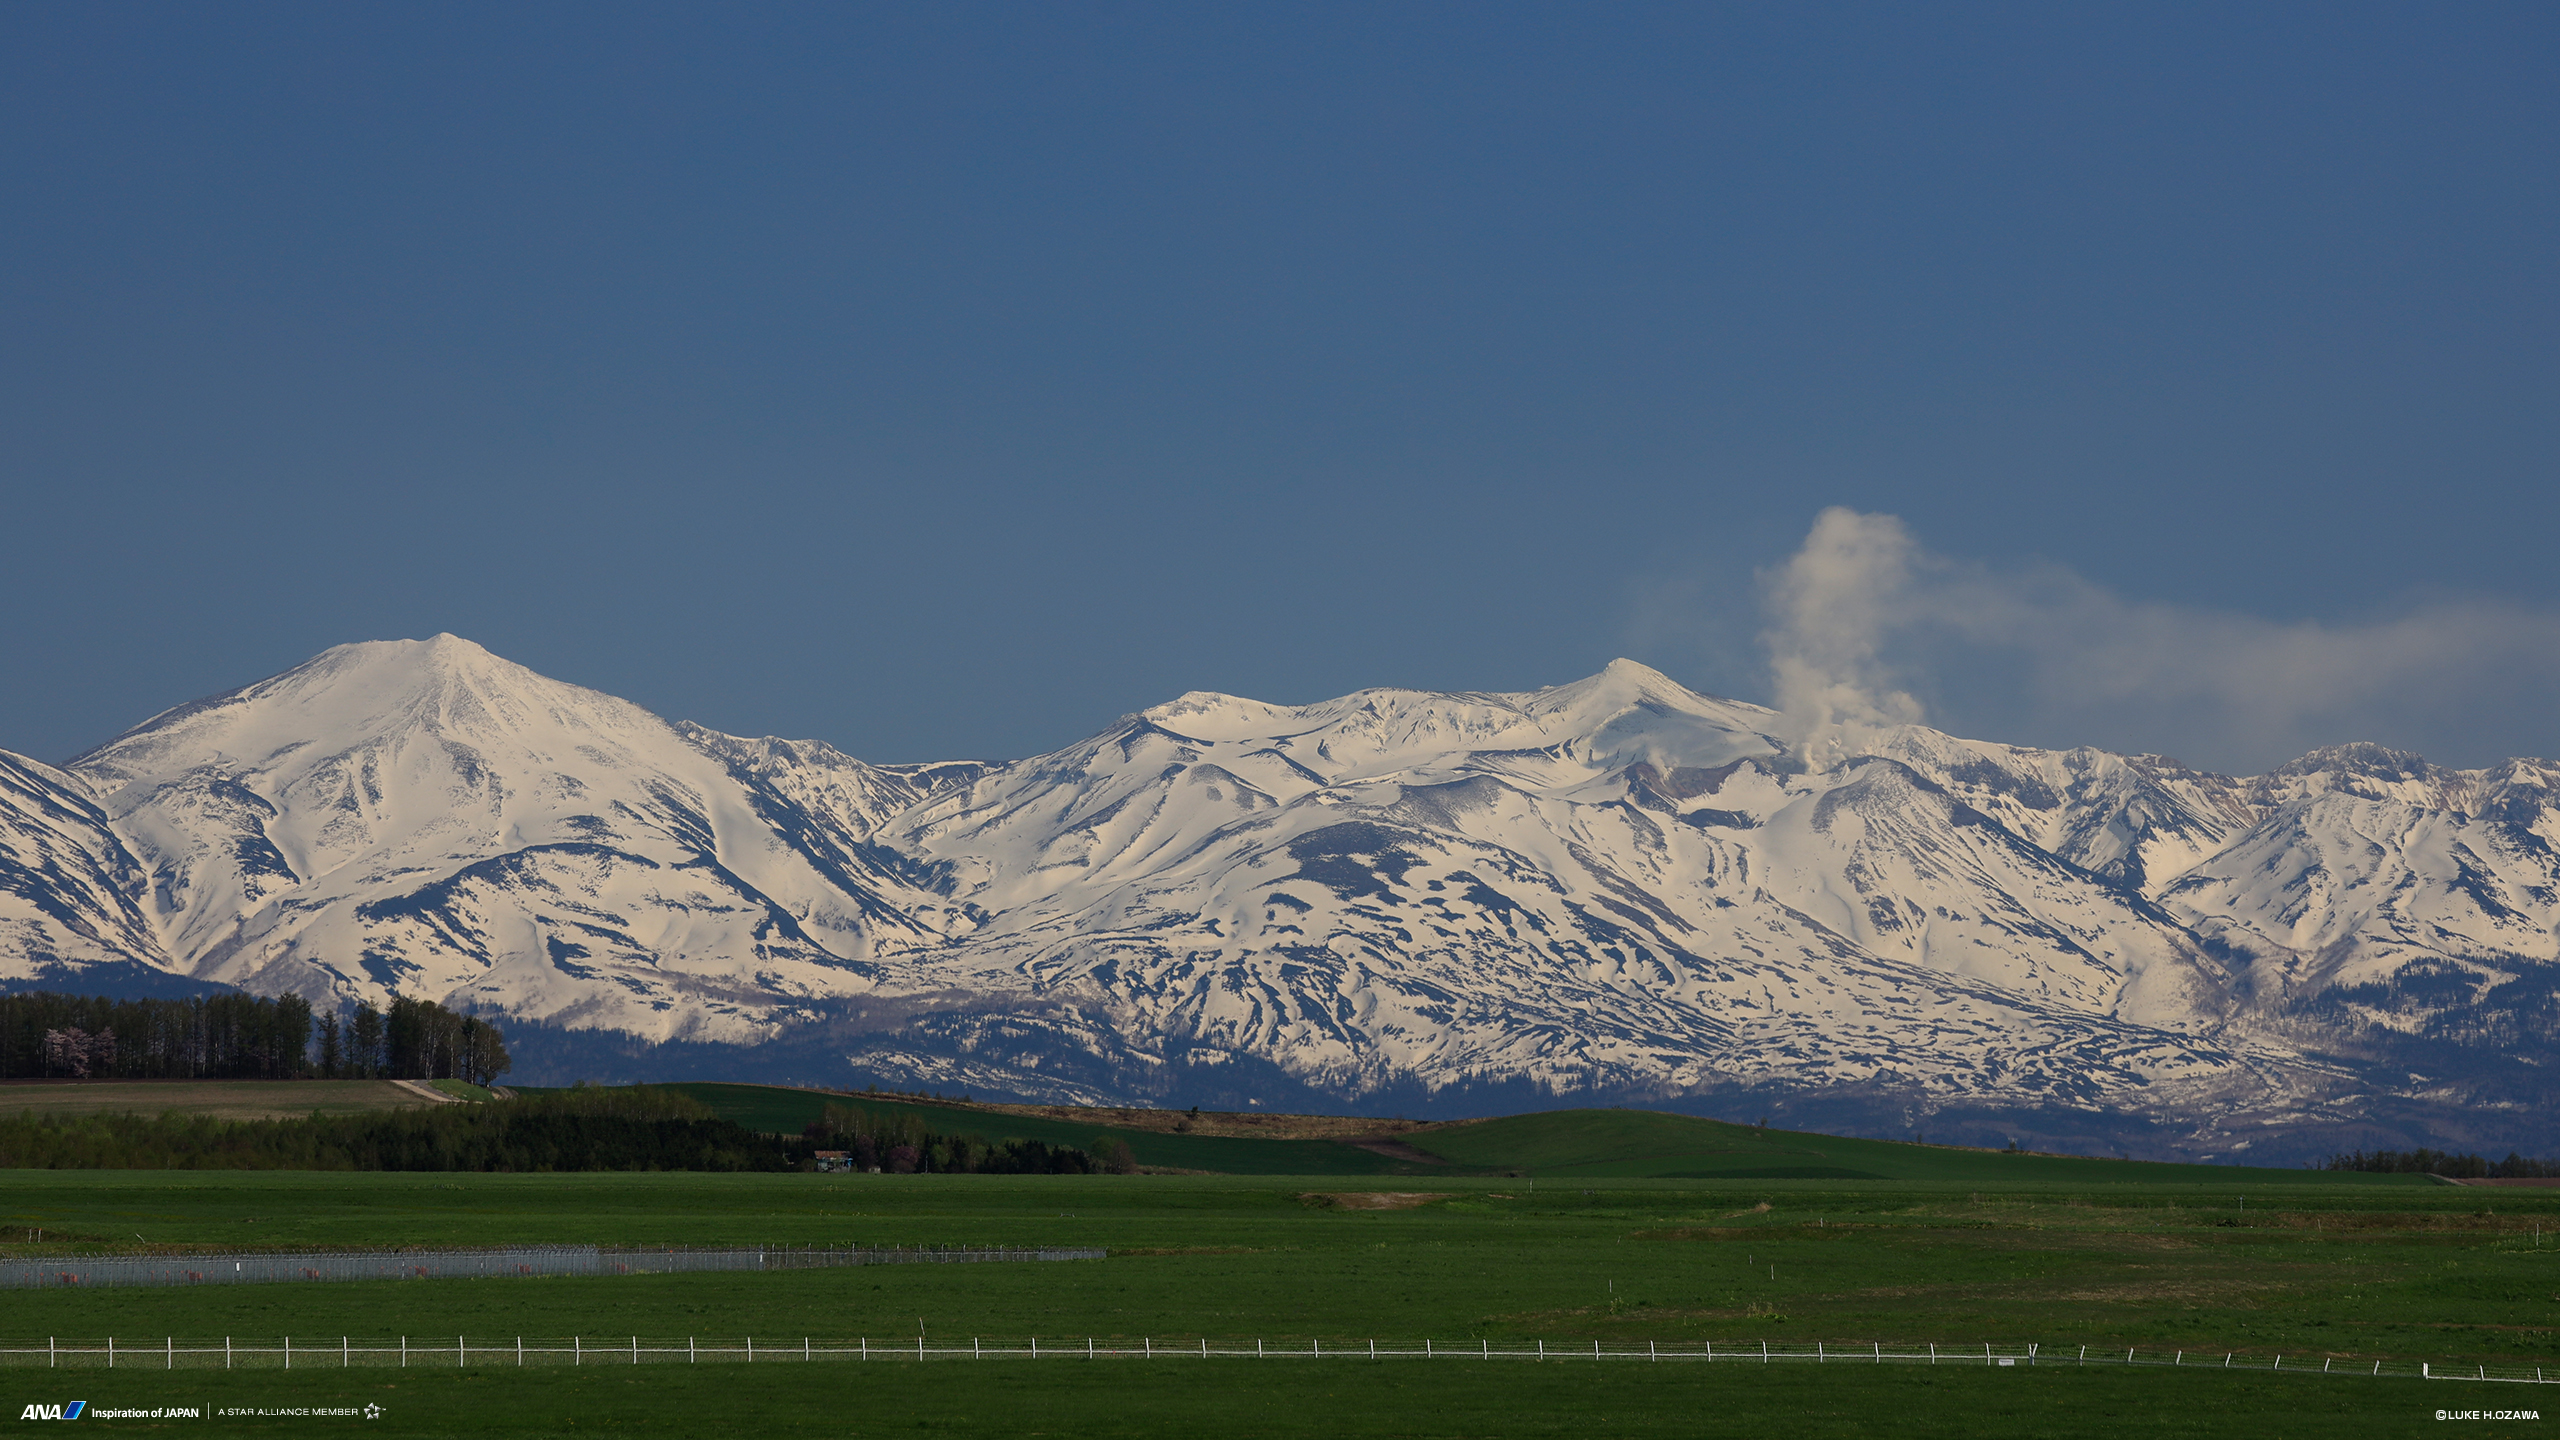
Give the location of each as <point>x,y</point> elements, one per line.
<point>2311,1270</point>
<point>1611,1144</point>
<point>221,1099</point>
<point>1619,1226</point>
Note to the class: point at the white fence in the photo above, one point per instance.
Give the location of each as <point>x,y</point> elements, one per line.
<point>449,1352</point>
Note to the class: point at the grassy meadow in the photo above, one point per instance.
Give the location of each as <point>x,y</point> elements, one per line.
<point>1610,1225</point>
<point>219,1099</point>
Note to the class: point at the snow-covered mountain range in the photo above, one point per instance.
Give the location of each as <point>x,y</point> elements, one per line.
<point>1614,889</point>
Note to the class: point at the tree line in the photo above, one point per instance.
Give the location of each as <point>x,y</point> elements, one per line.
<point>570,1130</point>
<point>585,1128</point>
<point>901,1144</point>
<point>2423,1161</point>
<point>241,1037</point>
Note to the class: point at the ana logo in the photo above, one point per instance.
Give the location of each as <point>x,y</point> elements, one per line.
<point>71,1411</point>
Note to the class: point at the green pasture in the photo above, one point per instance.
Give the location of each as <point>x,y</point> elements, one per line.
<point>1244,1398</point>
<point>1611,1144</point>
<point>220,1099</point>
<point>1628,1144</point>
<point>786,1111</point>
<point>2375,1271</point>
<point>1618,1226</point>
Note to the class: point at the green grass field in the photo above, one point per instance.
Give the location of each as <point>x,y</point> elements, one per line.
<point>222,1099</point>
<point>1244,1398</point>
<point>773,1108</point>
<point>2308,1270</point>
<point>1611,1144</point>
<point>1609,1225</point>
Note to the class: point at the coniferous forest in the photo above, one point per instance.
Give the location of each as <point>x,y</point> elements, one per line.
<point>2451,1165</point>
<point>241,1037</point>
<point>582,1128</point>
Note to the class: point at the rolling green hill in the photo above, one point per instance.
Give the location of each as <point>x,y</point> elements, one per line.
<point>1594,1144</point>
<point>1627,1144</point>
<point>776,1109</point>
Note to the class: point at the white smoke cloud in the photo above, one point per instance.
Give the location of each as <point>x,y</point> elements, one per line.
<point>1835,607</point>
<point>1863,617</point>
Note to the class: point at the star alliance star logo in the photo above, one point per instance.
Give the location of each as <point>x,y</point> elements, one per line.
<point>373,1412</point>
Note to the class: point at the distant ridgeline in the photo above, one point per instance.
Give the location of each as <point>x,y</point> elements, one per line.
<point>582,1128</point>
<point>2423,1161</point>
<point>241,1037</point>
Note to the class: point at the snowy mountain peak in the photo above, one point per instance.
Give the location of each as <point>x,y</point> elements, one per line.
<point>347,696</point>
<point>1626,714</point>
<point>1612,887</point>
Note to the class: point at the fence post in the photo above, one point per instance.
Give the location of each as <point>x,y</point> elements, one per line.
<point>111,1353</point>
<point>171,1341</point>
<point>519,1352</point>
<point>226,1351</point>
<point>577,1355</point>
<point>342,1351</point>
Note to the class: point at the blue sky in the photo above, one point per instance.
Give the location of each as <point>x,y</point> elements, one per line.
<point>947,380</point>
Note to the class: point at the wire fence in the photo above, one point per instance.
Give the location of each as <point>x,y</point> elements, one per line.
<point>267,1267</point>
<point>451,1352</point>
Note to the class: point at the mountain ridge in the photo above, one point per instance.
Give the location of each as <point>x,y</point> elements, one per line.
<point>1613,887</point>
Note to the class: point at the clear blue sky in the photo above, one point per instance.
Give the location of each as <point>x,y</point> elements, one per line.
<point>946,380</point>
